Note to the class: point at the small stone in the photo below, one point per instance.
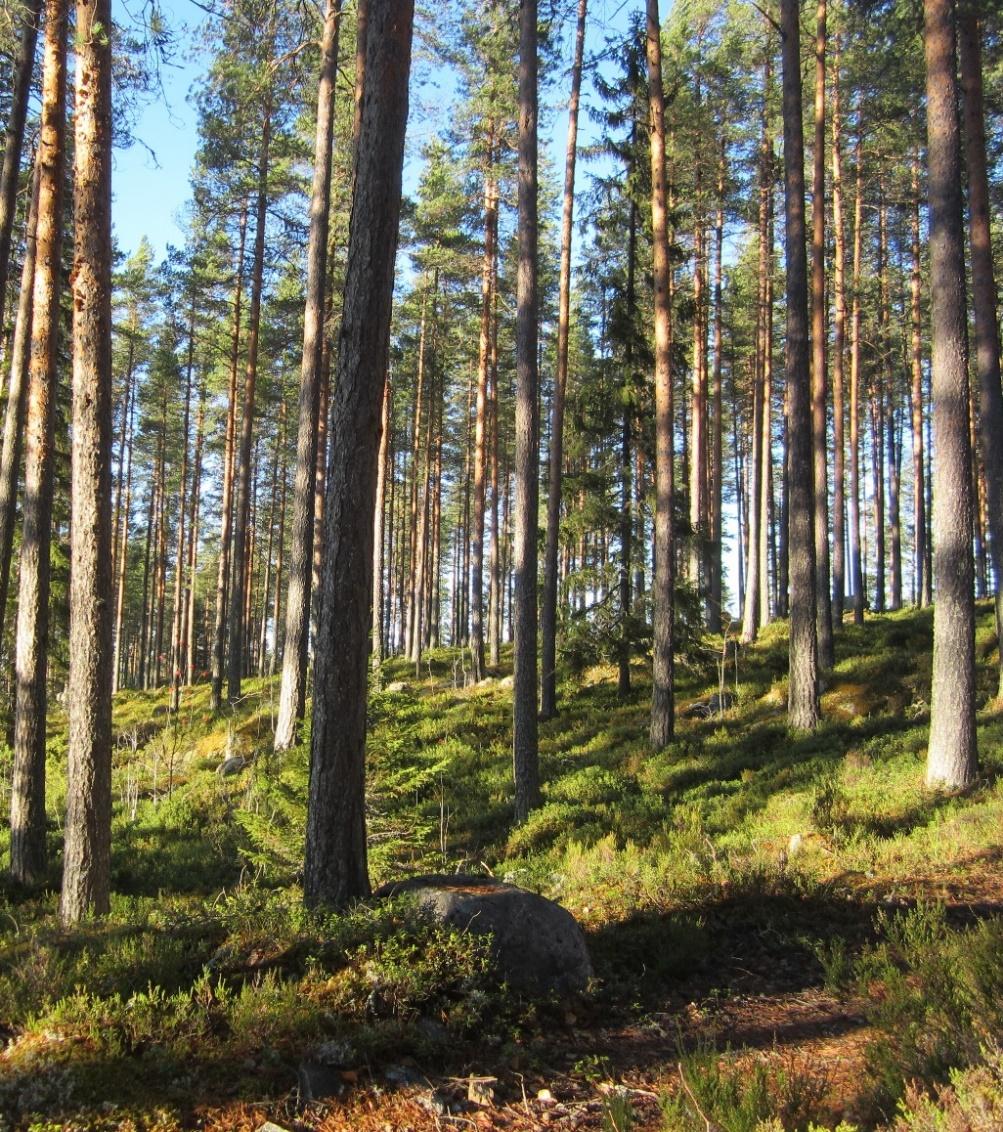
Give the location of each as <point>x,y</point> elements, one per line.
<point>268,1126</point>
<point>545,1096</point>
<point>334,1053</point>
<point>480,1092</point>
<point>233,765</point>
<point>317,1082</point>
<point>434,1103</point>
<point>403,1076</point>
<point>397,687</point>
<point>795,844</point>
<point>506,682</point>
<point>432,1031</point>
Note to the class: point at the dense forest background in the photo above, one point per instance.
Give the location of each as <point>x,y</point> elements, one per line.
<point>625,515</point>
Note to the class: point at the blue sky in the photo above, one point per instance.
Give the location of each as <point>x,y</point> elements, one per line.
<point>151,177</point>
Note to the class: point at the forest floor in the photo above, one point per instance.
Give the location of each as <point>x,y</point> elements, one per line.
<point>788,930</point>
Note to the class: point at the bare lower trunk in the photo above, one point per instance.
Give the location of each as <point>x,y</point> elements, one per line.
<point>527,433</point>
<point>987,336</point>
<point>180,564</point>
<point>662,708</point>
<point>819,342</point>
<point>292,697</point>
<point>923,588</point>
<point>480,420</point>
<point>838,352</point>
<point>236,658</point>
<point>193,538</point>
<point>952,754</point>
<point>226,505</point>
<point>27,812</point>
<point>17,387</point>
<point>856,558</point>
<point>548,607</point>
<point>803,709</point>
<point>87,851</point>
<point>336,869</point>
<point>378,527</point>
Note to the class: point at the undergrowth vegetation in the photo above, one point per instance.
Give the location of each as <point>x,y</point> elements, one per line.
<point>813,861</point>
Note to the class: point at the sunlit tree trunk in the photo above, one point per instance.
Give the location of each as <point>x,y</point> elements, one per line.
<point>819,344</point>
<point>379,526</point>
<point>481,411</point>
<point>662,709</point>
<point>548,608</point>
<point>87,848</point>
<point>803,709</point>
<point>856,558</point>
<point>716,475</point>
<point>527,432</point>
<point>226,504</point>
<point>17,387</point>
<point>838,355</point>
<point>952,753</point>
<point>236,658</point>
<point>27,811</point>
<point>24,65</point>
<point>987,336</point>
<point>336,865</point>
<point>292,697</point>
<point>180,564</point>
<point>193,538</point>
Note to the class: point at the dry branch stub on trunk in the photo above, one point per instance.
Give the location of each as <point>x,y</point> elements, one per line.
<point>538,946</point>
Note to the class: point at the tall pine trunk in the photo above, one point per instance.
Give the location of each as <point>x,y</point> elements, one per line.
<point>662,724</point>
<point>24,65</point>
<point>856,557</point>
<point>952,753</point>
<point>819,344</point>
<point>481,411</point>
<point>292,697</point>
<point>987,336</point>
<point>13,431</point>
<point>236,658</point>
<point>548,606</point>
<point>379,541</point>
<point>87,850</point>
<point>336,869</point>
<point>527,433</point>
<point>27,811</point>
<point>226,504</point>
<point>803,709</point>
<point>838,355</point>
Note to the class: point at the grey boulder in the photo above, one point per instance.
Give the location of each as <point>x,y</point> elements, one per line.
<point>538,946</point>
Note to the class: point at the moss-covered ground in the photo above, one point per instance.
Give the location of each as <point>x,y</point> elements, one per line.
<point>786,928</point>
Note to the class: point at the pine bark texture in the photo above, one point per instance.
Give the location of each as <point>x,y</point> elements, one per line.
<point>662,723</point>
<point>838,356</point>
<point>336,864</point>
<point>819,344</point>
<point>803,710</point>
<point>27,813</point>
<point>17,387</point>
<point>952,753</point>
<point>292,697</point>
<point>480,417</point>
<point>236,659</point>
<point>14,137</point>
<point>87,850</point>
<point>525,752</point>
<point>987,335</point>
<point>226,503</point>
<point>548,605</point>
